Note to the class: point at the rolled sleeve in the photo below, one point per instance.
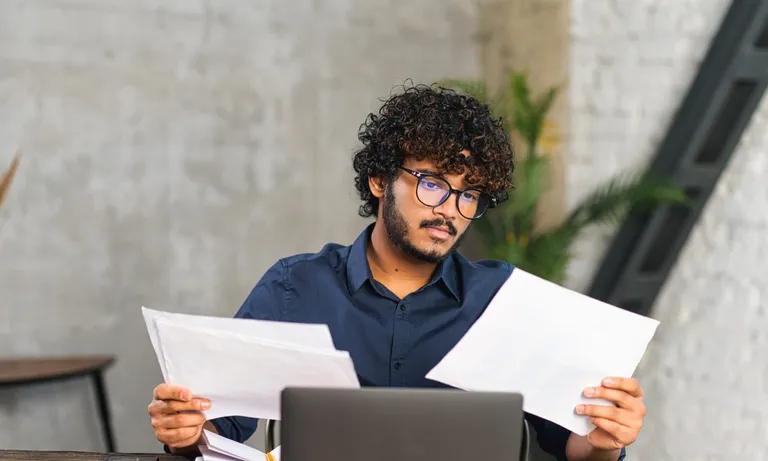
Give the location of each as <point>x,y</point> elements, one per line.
<point>551,437</point>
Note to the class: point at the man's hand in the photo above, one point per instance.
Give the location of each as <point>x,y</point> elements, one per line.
<point>176,415</point>
<point>617,426</point>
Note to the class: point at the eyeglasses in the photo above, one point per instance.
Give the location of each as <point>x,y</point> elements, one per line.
<point>433,191</point>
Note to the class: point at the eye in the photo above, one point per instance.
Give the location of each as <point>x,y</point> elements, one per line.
<point>470,196</point>
<point>430,184</point>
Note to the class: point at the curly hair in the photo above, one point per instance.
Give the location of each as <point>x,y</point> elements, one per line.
<point>433,123</point>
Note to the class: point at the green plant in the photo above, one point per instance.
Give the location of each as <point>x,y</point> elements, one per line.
<point>510,232</point>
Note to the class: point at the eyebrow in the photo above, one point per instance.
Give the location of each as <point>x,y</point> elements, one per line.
<point>435,173</point>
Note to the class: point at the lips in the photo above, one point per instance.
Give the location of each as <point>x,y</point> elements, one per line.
<point>440,233</point>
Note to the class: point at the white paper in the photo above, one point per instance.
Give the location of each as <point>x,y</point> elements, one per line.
<point>210,455</point>
<point>311,335</point>
<point>218,448</point>
<point>548,343</point>
<point>243,374</point>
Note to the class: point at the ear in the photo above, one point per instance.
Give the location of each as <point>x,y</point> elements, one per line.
<point>377,186</point>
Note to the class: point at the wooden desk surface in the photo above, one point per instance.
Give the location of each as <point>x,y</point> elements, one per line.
<point>20,455</point>
<point>20,370</point>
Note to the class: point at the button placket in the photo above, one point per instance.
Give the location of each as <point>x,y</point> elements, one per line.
<point>401,338</point>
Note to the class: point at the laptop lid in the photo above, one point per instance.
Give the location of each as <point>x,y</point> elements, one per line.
<point>397,424</point>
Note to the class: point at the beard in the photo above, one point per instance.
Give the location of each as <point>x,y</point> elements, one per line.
<point>397,231</point>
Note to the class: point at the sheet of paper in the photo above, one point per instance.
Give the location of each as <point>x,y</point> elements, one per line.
<point>218,448</point>
<point>244,375</point>
<point>548,343</point>
<point>210,455</point>
<point>311,335</point>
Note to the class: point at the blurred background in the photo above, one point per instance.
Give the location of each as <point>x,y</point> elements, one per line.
<point>173,150</point>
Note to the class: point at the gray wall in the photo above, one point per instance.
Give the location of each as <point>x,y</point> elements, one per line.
<point>174,150</point>
<point>706,371</point>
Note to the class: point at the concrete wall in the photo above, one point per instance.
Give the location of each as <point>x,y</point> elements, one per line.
<point>706,372</point>
<point>174,150</point>
<point>631,64</point>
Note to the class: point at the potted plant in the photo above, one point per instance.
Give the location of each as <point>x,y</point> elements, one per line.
<point>510,232</point>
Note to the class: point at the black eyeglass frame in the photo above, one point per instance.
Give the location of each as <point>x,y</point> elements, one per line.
<point>420,176</point>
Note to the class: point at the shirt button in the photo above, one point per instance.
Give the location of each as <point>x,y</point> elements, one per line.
<point>397,365</point>
<point>402,307</point>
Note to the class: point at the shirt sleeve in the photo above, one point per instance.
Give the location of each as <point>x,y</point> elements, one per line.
<point>552,438</point>
<point>265,302</point>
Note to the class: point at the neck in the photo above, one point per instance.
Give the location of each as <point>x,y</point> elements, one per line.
<point>388,262</point>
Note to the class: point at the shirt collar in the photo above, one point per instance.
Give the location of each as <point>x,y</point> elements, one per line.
<point>358,271</point>
<point>448,273</point>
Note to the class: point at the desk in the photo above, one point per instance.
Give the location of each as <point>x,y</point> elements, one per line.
<point>26,371</point>
<point>19,455</point>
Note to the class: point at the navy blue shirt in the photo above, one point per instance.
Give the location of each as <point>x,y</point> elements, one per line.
<point>393,342</point>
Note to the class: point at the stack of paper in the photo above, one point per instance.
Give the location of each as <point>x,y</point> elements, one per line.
<point>548,343</point>
<point>242,365</point>
<point>218,448</point>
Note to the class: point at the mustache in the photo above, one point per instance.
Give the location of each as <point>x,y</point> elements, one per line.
<point>439,223</point>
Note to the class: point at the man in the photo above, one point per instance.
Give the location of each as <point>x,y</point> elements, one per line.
<point>401,296</point>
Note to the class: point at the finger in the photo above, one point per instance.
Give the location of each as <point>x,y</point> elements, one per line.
<point>612,413</point>
<point>619,432</point>
<point>162,407</point>
<point>621,398</point>
<point>178,420</point>
<point>170,407</point>
<point>629,385</point>
<point>173,437</point>
<point>171,392</point>
<point>194,440</point>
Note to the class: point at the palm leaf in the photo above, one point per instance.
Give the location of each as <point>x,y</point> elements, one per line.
<point>545,101</point>
<point>548,254</point>
<point>7,177</point>
<point>514,221</point>
<point>530,183</point>
<point>529,114</point>
<point>610,202</point>
<point>524,110</point>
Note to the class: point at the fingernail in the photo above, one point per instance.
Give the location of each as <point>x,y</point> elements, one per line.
<point>579,409</point>
<point>589,392</point>
<point>609,381</point>
<point>205,405</point>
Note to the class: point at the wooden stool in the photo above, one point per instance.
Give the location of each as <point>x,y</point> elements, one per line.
<point>25,371</point>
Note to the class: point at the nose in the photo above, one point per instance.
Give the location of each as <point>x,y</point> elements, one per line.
<point>447,209</point>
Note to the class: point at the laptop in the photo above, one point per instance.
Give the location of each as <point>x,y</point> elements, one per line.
<point>399,424</point>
